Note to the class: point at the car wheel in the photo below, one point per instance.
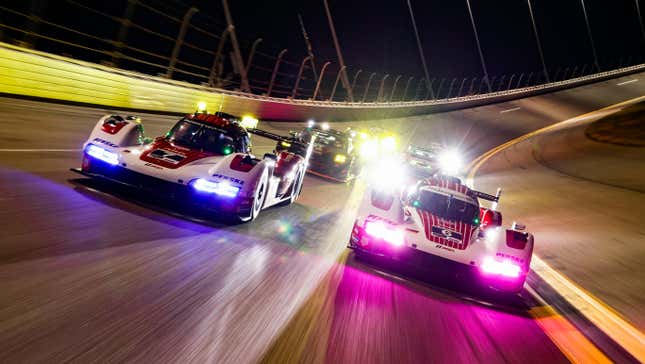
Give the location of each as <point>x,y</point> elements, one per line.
<point>258,200</point>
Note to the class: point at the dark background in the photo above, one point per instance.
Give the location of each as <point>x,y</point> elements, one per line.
<point>376,36</point>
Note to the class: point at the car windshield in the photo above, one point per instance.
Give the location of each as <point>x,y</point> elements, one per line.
<point>327,140</point>
<point>447,206</point>
<point>199,136</point>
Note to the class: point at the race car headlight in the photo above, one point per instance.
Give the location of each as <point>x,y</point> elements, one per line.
<point>369,149</point>
<point>340,158</point>
<point>388,144</point>
<point>249,122</point>
<point>450,162</point>
<point>222,188</point>
<point>381,230</point>
<point>504,268</point>
<point>102,154</point>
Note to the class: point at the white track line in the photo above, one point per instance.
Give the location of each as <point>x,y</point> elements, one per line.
<point>510,110</point>
<point>627,82</point>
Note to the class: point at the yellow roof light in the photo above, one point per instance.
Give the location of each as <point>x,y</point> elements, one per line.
<point>249,122</point>
<point>201,106</point>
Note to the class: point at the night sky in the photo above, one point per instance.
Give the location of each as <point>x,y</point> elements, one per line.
<point>376,36</point>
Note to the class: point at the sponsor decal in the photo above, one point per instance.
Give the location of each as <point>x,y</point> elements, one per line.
<point>232,179</point>
<point>510,257</point>
<point>105,142</point>
<point>167,156</point>
<point>447,234</point>
<point>439,246</point>
<point>148,164</point>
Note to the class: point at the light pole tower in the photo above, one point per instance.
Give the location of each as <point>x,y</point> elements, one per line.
<point>421,54</point>
<point>346,84</point>
<point>593,46</point>
<point>537,39</point>
<point>479,47</point>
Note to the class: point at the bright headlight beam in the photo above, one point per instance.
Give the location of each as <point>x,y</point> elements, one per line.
<point>220,188</point>
<point>102,154</point>
<point>450,162</point>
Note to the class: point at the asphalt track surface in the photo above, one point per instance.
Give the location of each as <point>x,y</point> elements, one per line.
<point>93,273</point>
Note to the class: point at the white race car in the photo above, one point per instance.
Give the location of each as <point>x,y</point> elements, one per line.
<point>205,159</point>
<point>441,217</point>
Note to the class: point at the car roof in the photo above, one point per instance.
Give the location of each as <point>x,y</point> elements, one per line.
<point>225,122</point>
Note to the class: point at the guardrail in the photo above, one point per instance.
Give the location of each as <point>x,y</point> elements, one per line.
<point>31,73</point>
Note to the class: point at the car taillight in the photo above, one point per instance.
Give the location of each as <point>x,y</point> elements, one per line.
<point>516,239</point>
<point>386,232</point>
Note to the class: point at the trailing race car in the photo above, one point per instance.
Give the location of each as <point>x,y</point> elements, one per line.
<point>334,154</point>
<point>441,217</point>
<point>435,159</point>
<point>205,159</point>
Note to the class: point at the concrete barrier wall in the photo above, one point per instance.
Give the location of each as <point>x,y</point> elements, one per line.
<point>37,74</point>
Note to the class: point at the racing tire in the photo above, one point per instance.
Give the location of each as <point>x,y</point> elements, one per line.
<point>258,199</point>
<point>296,188</point>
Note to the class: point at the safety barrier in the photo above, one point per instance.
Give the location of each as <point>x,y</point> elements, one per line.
<point>37,74</point>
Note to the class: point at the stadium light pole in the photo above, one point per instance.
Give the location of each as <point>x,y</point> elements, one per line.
<point>537,39</point>
<point>593,46</point>
<point>345,79</point>
<point>479,47</point>
<point>421,54</point>
<point>640,18</point>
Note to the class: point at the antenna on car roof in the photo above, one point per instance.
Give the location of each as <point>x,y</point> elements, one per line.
<point>497,195</point>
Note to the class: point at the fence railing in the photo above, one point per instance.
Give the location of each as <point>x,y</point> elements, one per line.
<point>181,43</point>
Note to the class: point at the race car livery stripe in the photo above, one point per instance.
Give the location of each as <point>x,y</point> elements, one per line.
<point>442,183</point>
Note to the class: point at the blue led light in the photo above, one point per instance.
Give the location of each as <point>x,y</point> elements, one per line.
<point>102,154</point>
<point>219,188</point>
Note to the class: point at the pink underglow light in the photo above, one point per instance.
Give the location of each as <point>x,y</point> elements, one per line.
<point>381,230</point>
<point>504,268</point>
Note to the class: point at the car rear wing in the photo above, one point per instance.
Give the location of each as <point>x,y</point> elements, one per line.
<point>486,196</point>
<point>297,146</point>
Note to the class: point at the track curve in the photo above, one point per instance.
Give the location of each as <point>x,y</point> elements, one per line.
<point>88,275</point>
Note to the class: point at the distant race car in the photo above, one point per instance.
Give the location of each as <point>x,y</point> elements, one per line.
<point>425,162</point>
<point>205,160</point>
<point>334,155</point>
<point>440,216</point>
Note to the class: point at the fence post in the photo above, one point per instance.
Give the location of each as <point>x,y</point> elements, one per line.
<point>396,81</point>
<point>429,91</point>
<point>354,81</point>
<point>519,80</point>
<point>369,81</point>
<point>471,90</point>
<point>407,85</point>
<point>244,82</point>
<point>416,94</point>
<point>252,54</point>
<point>510,82</point>
<point>528,80</point>
<point>123,31</point>
<point>179,41</point>
<point>216,70</point>
<point>275,70</point>
<point>439,88</point>
<point>322,74</point>
<point>557,74</point>
<point>481,84</point>
<point>379,96</point>
<point>574,72</point>
<point>452,83</point>
<point>333,91</point>
<point>584,68</point>
<point>461,87</point>
<point>501,82</point>
<point>295,86</point>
